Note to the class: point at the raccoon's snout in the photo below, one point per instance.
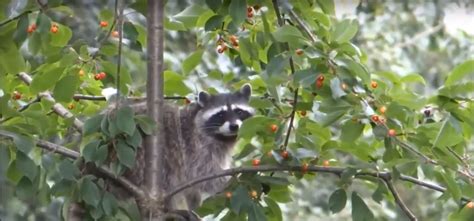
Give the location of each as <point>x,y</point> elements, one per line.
<point>233,127</point>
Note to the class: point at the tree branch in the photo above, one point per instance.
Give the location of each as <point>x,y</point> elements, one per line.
<point>15,18</point>
<point>300,22</point>
<point>322,169</point>
<point>155,144</point>
<point>419,36</point>
<point>55,148</point>
<point>57,107</point>
<point>292,67</point>
<point>102,98</point>
<point>399,200</point>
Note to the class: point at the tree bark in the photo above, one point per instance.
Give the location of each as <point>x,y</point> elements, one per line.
<point>155,143</point>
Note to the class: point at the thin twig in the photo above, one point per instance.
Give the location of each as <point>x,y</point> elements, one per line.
<point>132,188</point>
<point>292,67</point>
<point>58,108</point>
<point>102,98</point>
<point>119,18</point>
<point>322,169</point>
<point>15,18</point>
<point>300,22</point>
<point>399,200</point>
<point>419,36</point>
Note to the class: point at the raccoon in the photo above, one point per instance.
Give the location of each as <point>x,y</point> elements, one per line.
<point>199,141</point>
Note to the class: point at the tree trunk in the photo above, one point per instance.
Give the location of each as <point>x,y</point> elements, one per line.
<point>155,143</point>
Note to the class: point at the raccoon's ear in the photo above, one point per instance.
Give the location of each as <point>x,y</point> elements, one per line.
<point>203,98</point>
<point>246,91</point>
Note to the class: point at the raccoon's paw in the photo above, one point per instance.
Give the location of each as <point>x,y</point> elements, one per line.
<point>182,215</point>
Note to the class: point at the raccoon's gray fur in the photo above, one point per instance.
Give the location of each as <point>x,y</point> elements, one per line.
<point>199,141</point>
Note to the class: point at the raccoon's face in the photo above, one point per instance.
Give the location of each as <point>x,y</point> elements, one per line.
<point>221,115</point>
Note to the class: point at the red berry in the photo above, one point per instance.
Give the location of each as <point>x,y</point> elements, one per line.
<point>54,29</point>
<point>470,205</point>
<point>303,113</point>
<point>373,84</point>
<point>115,34</point>
<point>31,28</point>
<point>103,24</point>
<point>319,84</point>
<point>16,95</point>
<point>285,154</point>
<point>375,118</point>
<point>326,163</point>
<point>255,162</point>
<point>383,109</point>
<point>321,77</point>
<point>274,128</point>
<point>102,75</point>
<point>304,167</point>
<point>228,195</point>
<point>392,133</point>
<point>97,77</point>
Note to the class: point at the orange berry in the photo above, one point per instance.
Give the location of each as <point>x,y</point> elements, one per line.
<point>299,51</point>
<point>81,73</point>
<point>344,86</point>
<point>383,109</point>
<point>255,162</point>
<point>115,34</point>
<point>31,28</point>
<point>392,133</point>
<point>228,195</point>
<point>103,24</point>
<point>16,95</point>
<point>321,77</point>
<point>304,167</point>
<point>102,75</point>
<point>470,205</point>
<point>273,127</point>
<point>253,194</point>
<point>54,29</point>
<point>319,84</point>
<point>375,118</point>
<point>326,163</point>
<point>221,48</point>
<point>71,106</point>
<point>233,39</point>
<point>373,84</point>
<point>303,113</point>
<point>285,154</point>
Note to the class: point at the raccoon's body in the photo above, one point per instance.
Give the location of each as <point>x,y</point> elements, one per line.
<point>199,141</point>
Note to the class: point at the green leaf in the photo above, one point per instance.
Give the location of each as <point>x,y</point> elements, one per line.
<point>190,15</point>
<point>238,11</point>
<point>327,6</point>
<point>249,148</point>
<point>305,77</point>
<point>146,124</point>
<point>66,87</point>
<point>452,186</point>
<point>47,78</point>
<point>135,140</point>
<point>192,61</point>
<point>125,120</point>
<point>214,5</point>
<point>214,23</point>
<point>337,200</point>
<point>351,130</point>
<point>90,193</point>
<point>288,33</point>
<point>68,170</point>
<point>276,65</point>
<point>413,78</point>
<point>273,180</point>
<point>280,193</point>
<point>23,143</point>
<point>92,125</point>
<point>61,38</point>
<point>336,88</point>
<point>240,200</point>
<point>11,60</point>
<point>356,69</point>
<point>100,155</point>
<point>174,84</point>
<point>344,31</point>
<point>360,211</point>
<point>26,165</point>
<point>256,213</point>
<point>125,154</point>
<point>459,72</point>
<point>131,208</point>
<point>109,204</point>
<point>381,190</point>
<point>274,208</point>
<point>89,150</point>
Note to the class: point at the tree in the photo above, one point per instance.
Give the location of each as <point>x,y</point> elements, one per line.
<point>322,109</point>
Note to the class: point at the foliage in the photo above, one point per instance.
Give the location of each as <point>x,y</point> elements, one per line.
<point>322,88</point>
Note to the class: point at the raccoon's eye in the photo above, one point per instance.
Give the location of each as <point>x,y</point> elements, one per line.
<point>239,112</point>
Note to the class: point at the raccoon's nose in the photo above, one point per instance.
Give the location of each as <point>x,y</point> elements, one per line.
<point>233,127</point>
